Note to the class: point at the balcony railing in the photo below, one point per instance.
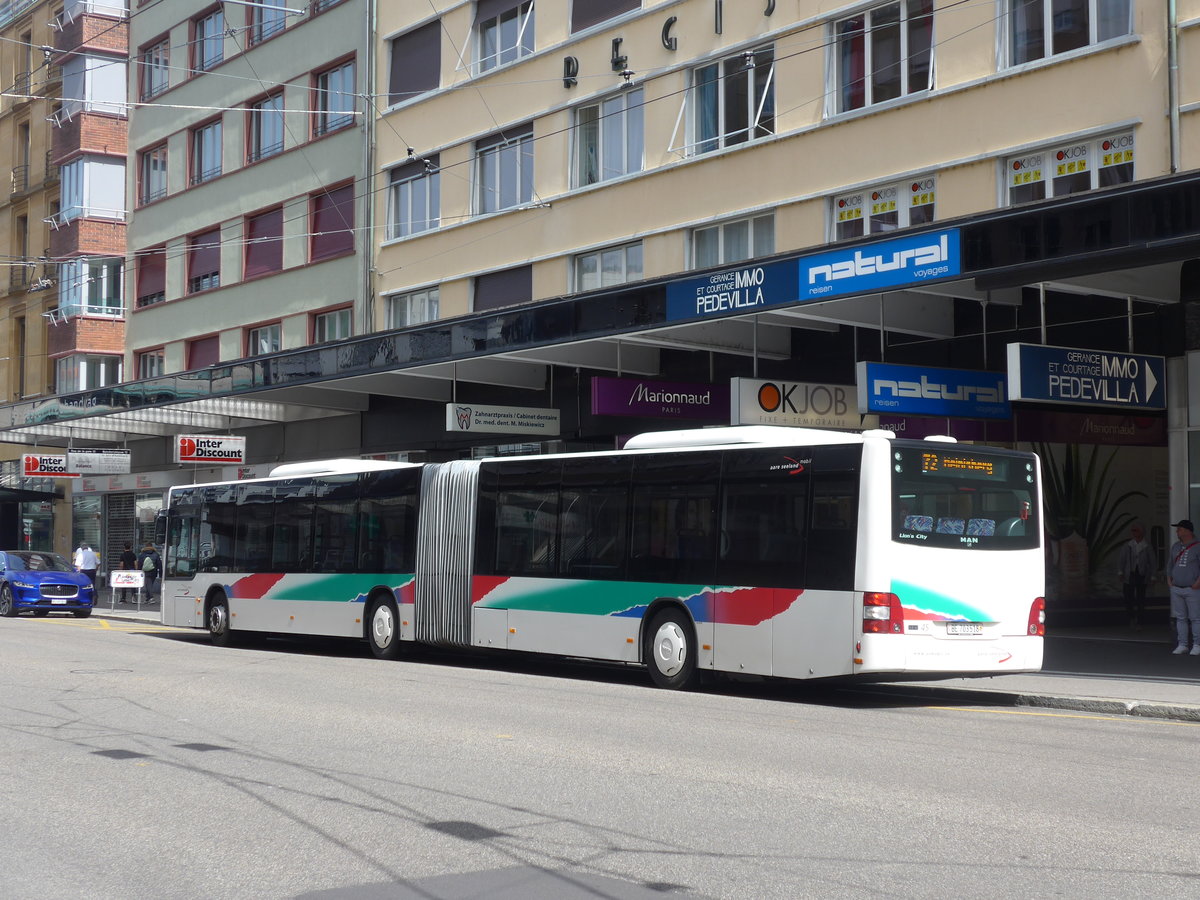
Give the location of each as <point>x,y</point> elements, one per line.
<point>20,179</point>
<point>51,168</point>
<point>18,277</point>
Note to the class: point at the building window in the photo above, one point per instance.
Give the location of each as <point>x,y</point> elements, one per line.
<point>321,5</point>
<point>152,174</point>
<point>150,364</point>
<point>206,152</point>
<point>155,74</point>
<point>334,99</point>
<point>612,265</point>
<point>1038,28</point>
<point>504,288</point>
<point>412,308</point>
<point>92,186</point>
<point>84,372</point>
<point>204,352</point>
<point>204,261</point>
<point>92,286</point>
<point>504,166</point>
<point>208,41</point>
<point>884,53</point>
<point>586,13</point>
<point>505,30</point>
<point>1070,168</point>
<point>151,277</point>
<point>609,138</point>
<point>266,19</point>
<point>264,243</point>
<point>263,339</point>
<point>94,84</point>
<point>332,225</point>
<point>266,128</point>
<point>332,326</point>
<point>414,197</point>
<point>415,62</point>
<point>883,208</point>
<point>732,242</point>
<point>733,101</point>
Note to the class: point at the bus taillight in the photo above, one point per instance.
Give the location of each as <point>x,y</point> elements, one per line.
<point>882,614</point>
<point>1037,617</point>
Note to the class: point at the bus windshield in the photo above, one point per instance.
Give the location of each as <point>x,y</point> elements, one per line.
<point>964,498</point>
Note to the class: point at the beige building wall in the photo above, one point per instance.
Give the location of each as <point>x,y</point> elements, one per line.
<point>980,112</point>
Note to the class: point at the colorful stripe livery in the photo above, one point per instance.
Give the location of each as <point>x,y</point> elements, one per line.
<point>332,588</point>
<point>726,605</point>
<point>921,603</point>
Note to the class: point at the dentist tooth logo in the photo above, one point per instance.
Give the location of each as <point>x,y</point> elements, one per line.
<point>463,414</point>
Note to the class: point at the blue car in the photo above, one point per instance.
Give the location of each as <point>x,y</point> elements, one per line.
<point>41,583</point>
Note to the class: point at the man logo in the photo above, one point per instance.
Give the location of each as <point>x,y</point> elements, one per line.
<point>463,415</point>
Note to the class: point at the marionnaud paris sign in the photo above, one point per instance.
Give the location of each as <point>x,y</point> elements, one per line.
<point>1086,377</point>
<point>921,391</point>
<point>659,399</point>
<point>883,265</point>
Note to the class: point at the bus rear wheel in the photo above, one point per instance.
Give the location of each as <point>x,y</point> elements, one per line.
<point>669,650</point>
<point>383,628</point>
<point>218,621</point>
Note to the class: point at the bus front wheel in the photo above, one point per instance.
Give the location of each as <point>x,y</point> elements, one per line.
<point>383,628</point>
<point>669,650</point>
<point>218,621</point>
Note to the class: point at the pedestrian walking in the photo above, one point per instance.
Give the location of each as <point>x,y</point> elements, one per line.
<point>1136,570</point>
<point>128,563</point>
<point>86,561</point>
<point>151,565</point>
<point>1183,577</point>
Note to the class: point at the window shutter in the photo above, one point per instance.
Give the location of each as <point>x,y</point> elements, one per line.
<point>204,352</point>
<point>264,243</point>
<point>505,288</point>
<point>204,253</point>
<point>333,223</point>
<point>416,64</point>
<point>586,13</point>
<point>152,272</point>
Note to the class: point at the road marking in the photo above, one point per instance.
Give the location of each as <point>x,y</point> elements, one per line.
<point>1054,715</point>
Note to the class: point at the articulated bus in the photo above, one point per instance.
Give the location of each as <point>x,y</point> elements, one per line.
<point>768,551</point>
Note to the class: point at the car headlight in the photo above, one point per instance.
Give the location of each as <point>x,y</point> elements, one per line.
<point>86,588</point>
<point>23,584</point>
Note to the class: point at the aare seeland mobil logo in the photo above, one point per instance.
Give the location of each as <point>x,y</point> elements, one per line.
<point>903,261</point>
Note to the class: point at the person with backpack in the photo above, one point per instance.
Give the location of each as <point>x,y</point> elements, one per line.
<point>151,565</point>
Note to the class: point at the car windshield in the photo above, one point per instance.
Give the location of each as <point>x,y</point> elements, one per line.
<point>24,561</point>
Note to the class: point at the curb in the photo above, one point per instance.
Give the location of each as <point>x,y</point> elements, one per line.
<point>1147,709</point>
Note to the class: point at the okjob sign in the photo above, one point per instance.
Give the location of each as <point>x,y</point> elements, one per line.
<point>916,390</point>
<point>1086,377</point>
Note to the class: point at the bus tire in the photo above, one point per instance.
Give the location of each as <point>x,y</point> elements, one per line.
<point>218,621</point>
<point>383,628</point>
<point>669,650</point>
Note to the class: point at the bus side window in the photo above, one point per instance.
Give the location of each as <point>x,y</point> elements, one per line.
<point>763,532</point>
<point>527,532</point>
<point>833,534</point>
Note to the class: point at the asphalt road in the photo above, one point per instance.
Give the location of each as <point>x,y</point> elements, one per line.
<point>144,763</point>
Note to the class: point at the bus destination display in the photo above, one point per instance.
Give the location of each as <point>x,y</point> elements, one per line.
<point>962,465</point>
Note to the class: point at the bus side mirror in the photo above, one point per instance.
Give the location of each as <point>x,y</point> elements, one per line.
<point>160,529</point>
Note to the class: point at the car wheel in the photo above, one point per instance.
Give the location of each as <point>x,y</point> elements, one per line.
<point>83,613</point>
<point>41,613</point>
<point>669,650</point>
<point>218,621</point>
<point>8,608</point>
<point>383,628</point>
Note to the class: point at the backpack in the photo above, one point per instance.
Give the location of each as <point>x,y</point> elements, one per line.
<point>148,563</point>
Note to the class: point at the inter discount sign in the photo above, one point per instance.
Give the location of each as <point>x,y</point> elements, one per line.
<point>38,465</point>
<point>1086,377</point>
<point>198,448</point>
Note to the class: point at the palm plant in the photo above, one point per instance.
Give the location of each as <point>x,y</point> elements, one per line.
<point>1078,497</point>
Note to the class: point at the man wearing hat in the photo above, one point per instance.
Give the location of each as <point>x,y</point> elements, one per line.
<point>1183,575</point>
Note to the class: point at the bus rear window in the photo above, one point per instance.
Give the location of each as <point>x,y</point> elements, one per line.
<point>965,498</point>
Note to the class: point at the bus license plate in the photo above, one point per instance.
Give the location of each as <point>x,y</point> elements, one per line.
<point>964,628</point>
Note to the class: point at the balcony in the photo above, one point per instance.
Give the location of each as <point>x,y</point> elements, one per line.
<point>51,168</point>
<point>20,179</point>
<point>19,277</point>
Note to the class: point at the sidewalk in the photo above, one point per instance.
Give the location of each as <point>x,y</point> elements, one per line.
<point>1108,670</point>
